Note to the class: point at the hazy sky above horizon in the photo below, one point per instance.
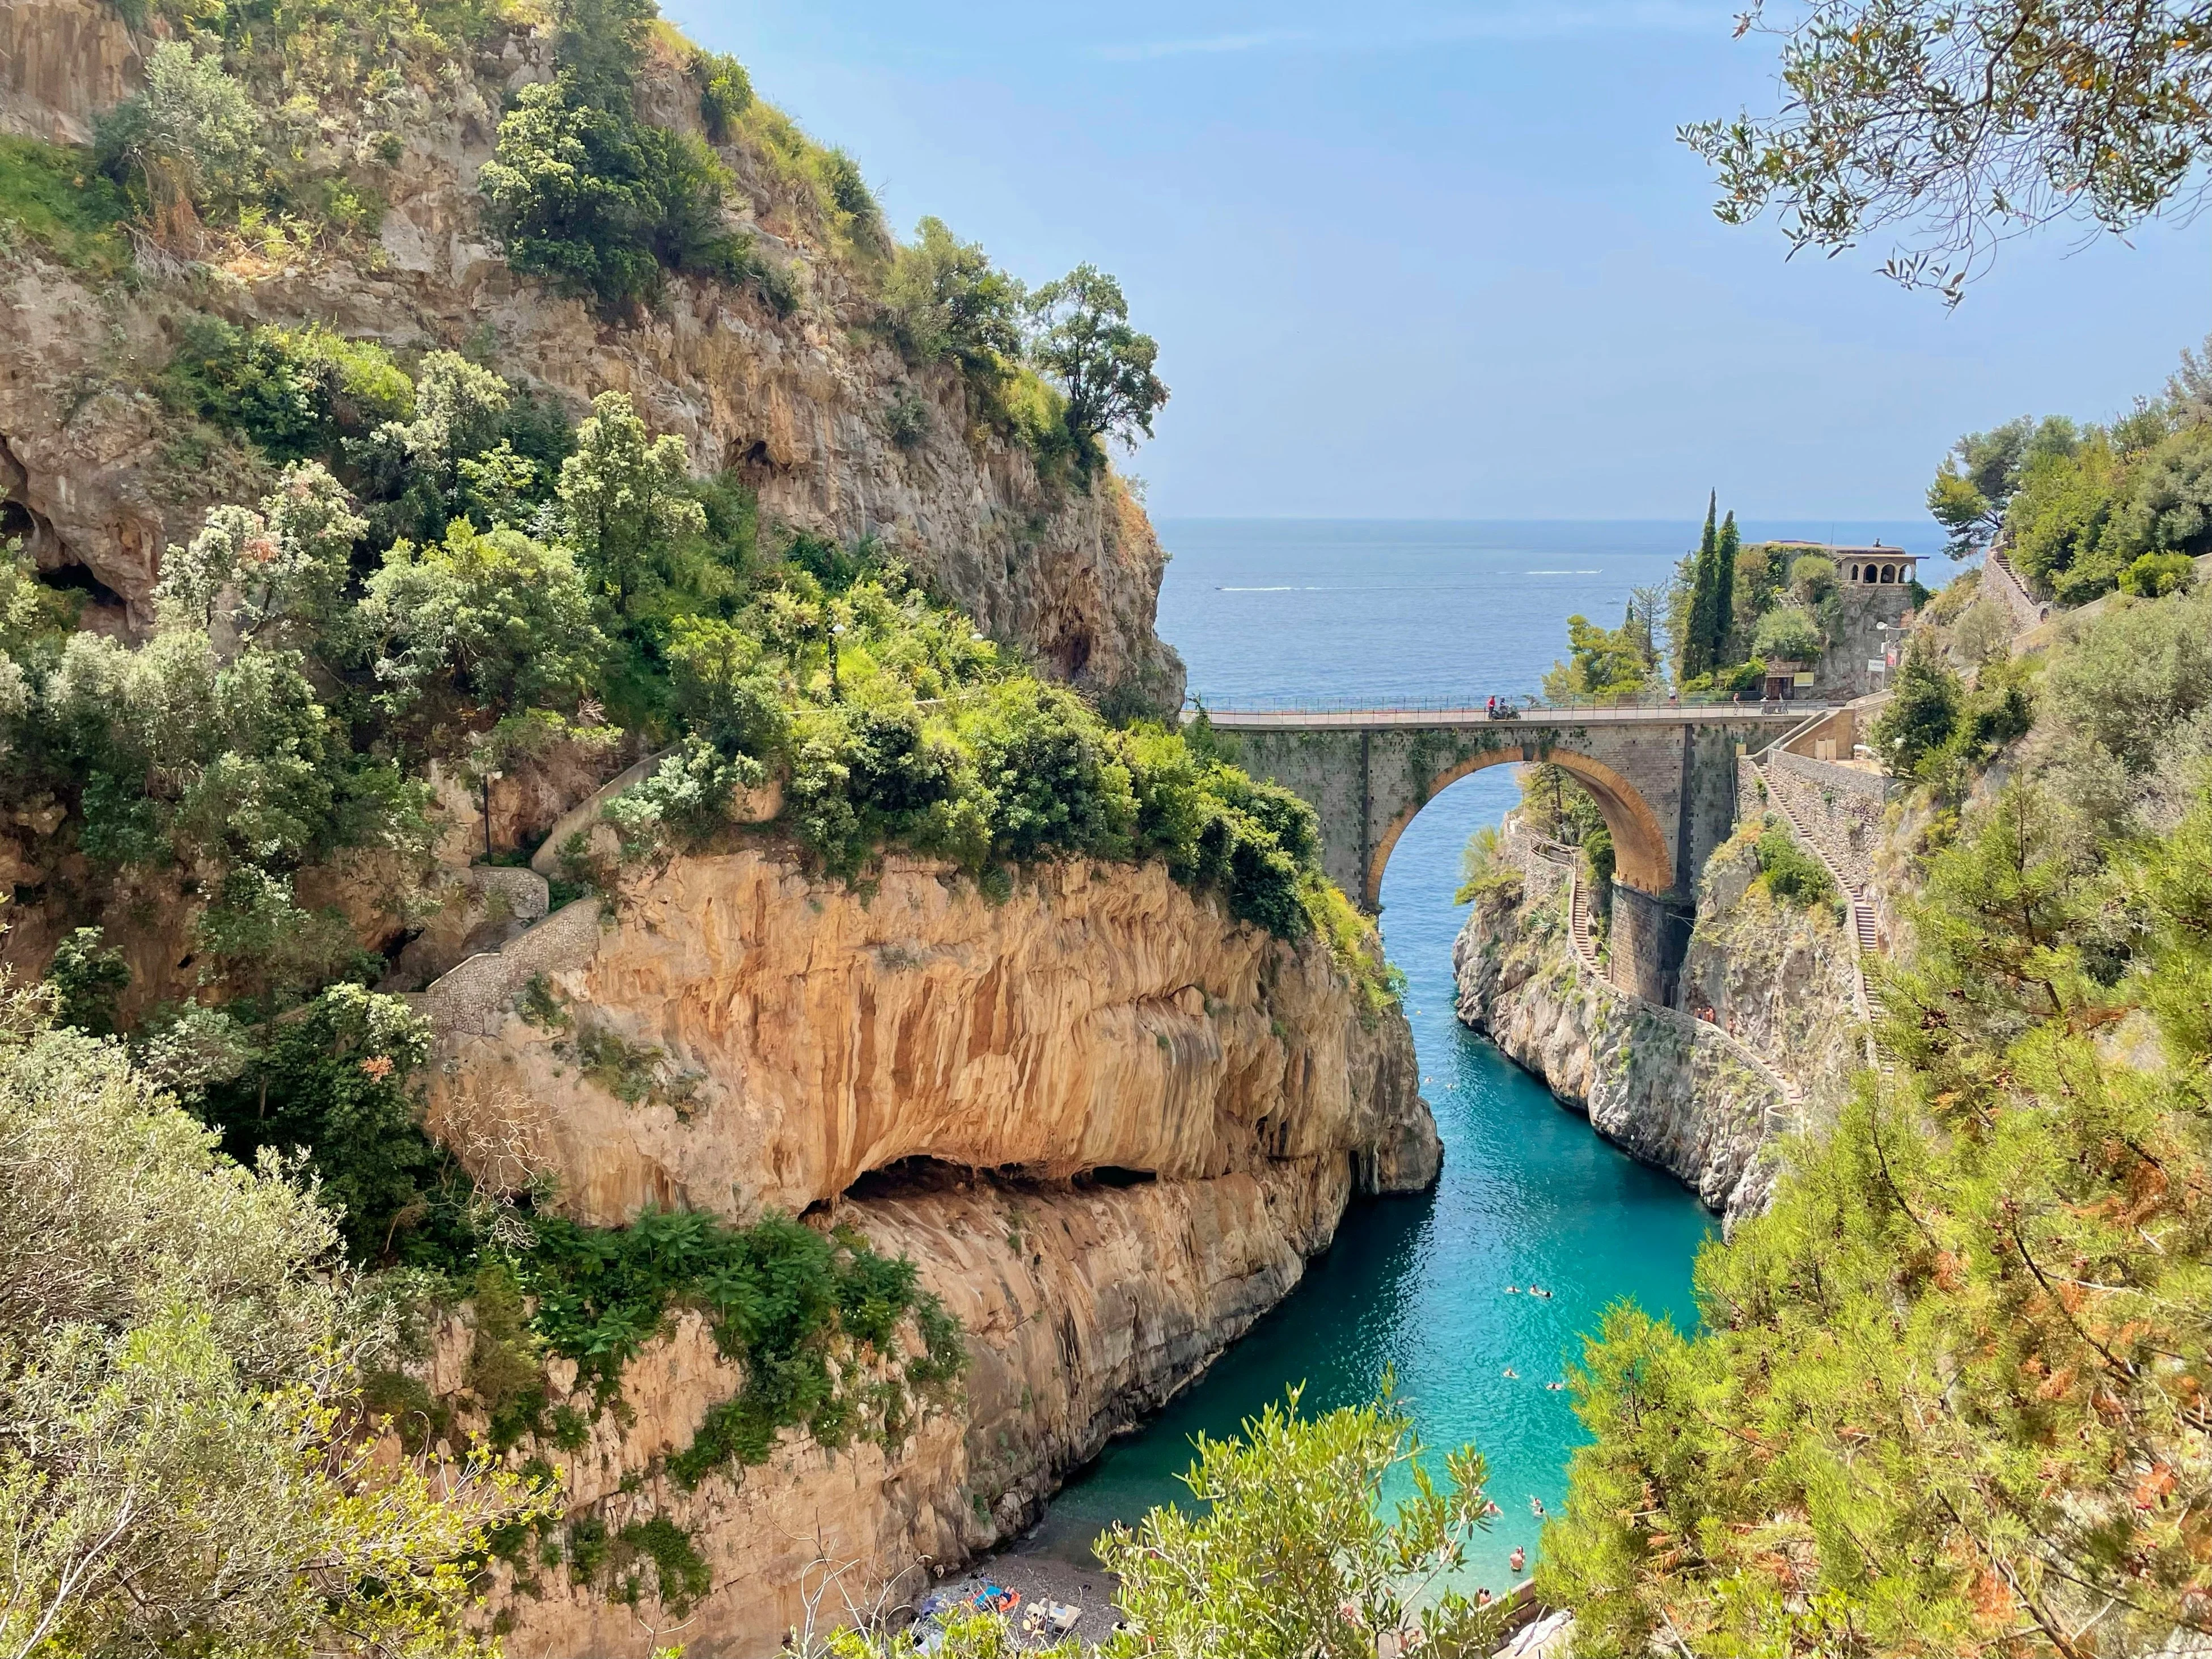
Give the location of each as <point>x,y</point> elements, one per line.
<point>1428,259</point>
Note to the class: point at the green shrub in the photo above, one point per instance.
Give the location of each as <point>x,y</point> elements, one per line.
<point>88,977</point>
<point>1788,632</point>
<point>599,205</point>
<point>2155,575</point>
<point>681,1576</point>
<point>1792,874</point>
<point>779,1296</point>
<point>499,620</point>
<point>337,1079</point>
<point>190,141</point>
<point>1921,714</point>
<point>35,620</point>
<point>296,393</point>
<point>946,301</point>
<point>725,92</point>
<point>1483,867</point>
<point>907,420</point>
<point>56,197</point>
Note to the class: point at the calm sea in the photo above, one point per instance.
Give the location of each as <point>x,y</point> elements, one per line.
<point>1288,609</point>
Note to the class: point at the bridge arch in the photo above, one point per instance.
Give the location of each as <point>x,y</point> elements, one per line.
<point>1643,854</point>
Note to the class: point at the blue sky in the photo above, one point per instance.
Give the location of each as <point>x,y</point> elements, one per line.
<point>1410,258</point>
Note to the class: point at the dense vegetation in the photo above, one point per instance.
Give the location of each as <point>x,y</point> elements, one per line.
<point>2086,510</point>
<point>179,1466</point>
<point>264,138</point>
<point>1948,1396</point>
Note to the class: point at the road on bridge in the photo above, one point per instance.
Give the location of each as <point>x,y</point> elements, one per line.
<point>1693,713</point>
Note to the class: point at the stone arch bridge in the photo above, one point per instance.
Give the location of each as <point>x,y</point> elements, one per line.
<point>1664,776</point>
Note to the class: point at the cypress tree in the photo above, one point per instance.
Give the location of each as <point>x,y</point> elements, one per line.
<point>1724,552</point>
<point>1698,637</point>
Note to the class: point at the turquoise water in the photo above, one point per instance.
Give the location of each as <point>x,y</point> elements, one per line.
<point>1528,1195</point>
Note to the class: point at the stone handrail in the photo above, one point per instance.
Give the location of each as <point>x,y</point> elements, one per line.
<point>579,818</point>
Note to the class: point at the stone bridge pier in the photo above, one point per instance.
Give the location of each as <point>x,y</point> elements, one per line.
<point>1664,778</point>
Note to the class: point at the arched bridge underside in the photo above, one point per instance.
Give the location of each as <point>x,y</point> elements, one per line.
<point>1664,778</point>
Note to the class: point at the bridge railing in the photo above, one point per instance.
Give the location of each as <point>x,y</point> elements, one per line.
<point>1525,703</point>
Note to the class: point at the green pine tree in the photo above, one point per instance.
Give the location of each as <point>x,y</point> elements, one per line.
<point>1697,638</point>
<point>1724,551</point>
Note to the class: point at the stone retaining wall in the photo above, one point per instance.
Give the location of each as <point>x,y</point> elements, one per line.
<point>1998,578</point>
<point>1839,807</point>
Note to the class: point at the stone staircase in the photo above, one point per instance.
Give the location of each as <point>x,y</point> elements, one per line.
<point>1585,949</point>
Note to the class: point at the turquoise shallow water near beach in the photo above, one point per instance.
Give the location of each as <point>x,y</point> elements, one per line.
<point>1384,612</point>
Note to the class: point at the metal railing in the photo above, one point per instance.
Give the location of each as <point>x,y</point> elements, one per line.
<point>1751,709</point>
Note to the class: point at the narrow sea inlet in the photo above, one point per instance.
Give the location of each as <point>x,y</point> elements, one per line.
<point>1374,613</point>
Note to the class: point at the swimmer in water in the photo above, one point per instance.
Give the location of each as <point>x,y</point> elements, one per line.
<point>1555,1386</point>
<point>1519,1559</point>
<point>1512,1290</point>
<point>1533,1290</point>
<point>1490,1508</point>
<point>1509,1371</point>
<point>1535,1505</point>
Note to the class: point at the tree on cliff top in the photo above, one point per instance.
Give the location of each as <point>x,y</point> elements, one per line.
<point>1963,122</point>
<point>1978,478</point>
<point>1083,340</point>
<point>1603,662</point>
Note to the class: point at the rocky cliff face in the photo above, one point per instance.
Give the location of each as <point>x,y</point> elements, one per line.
<point>807,1034</point>
<point>799,405</point>
<point>1777,977</point>
<point>1108,1123</point>
<point>1670,1089</point>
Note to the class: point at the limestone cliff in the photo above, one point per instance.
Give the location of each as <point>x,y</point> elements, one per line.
<point>1108,1123</point>
<point>1703,1100</point>
<point>99,474</point>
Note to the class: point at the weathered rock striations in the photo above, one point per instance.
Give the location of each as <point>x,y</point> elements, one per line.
<point>1670,1089</point>
<point>1107,1122</point>
<point>1102,1018</point>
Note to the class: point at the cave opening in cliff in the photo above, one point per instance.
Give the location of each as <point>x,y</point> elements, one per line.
<point>19,523</point>
<point>1112,1176</point>
<point>910,1178</point>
